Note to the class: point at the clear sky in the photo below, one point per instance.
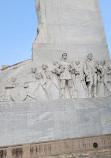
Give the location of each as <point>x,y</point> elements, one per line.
<point>18,23</point>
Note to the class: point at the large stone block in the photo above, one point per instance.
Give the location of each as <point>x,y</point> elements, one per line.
<point>54,120</point>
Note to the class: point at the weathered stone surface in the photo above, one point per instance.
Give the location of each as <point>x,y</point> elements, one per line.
<point>34,121</point>
<point>74,27</point>
<point>63,80</point>
<point>69,148</point>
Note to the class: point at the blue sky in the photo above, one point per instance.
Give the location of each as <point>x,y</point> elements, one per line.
<point>18,23</point>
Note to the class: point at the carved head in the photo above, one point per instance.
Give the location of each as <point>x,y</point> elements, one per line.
<point>103,62</point>
<point>33,69</point>
<point>64,56</point>
<point>56,63</point>
<point>14,79</point>
<point>44,67</point>
<point>90,56</point>
<point>77,62</point>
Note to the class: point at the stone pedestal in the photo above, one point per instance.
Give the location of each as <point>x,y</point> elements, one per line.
<point>38,121</point>
<point>90,147</point>
<point>41,99</point>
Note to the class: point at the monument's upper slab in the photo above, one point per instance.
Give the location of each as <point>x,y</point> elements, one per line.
<point>72,25</point>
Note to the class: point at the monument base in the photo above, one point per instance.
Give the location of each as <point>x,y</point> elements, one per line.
<point>35,121</point>
<point>90,147</point>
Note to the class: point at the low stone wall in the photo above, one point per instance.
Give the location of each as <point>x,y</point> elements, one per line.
<point>91,147</point>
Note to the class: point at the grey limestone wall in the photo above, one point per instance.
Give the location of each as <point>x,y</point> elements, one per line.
<point>35,121</point>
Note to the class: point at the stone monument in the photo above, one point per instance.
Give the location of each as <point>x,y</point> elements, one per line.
<point>60,100</point>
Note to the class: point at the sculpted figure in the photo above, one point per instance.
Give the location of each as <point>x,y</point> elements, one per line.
<point>57,69</point>
<point>100,79</point>
<point>107,72</point>
<point>80,85</point>
<point>16,90</point>
<point>47,79</point>
<point>65,76</point>
<point>50,83</point>
<point>37,74</point>
<point>35,85</point>
<point>91,75</point>
<point>14,82</point>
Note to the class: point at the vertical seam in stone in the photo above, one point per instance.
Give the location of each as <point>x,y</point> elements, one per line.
<point>53,126</point>
<point>46,22</point>
<point>27,127</point>
<point>59,22</point>
<point>77,121</point>
<point>53,23</point>
<point>100,120</point>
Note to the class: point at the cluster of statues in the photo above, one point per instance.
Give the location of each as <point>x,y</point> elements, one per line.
<point>66,80</point>
<point>74,80</point>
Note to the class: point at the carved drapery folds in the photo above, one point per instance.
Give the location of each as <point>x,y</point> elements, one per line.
<point>65,79</point>
<point>98,77</point>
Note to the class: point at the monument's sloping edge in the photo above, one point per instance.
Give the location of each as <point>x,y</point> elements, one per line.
<point>15,65</point>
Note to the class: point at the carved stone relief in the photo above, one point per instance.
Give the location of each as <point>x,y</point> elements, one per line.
<point>35,84</point>
<point>15,90</point>
<point>80,84</point>
<point>66,80</point>
<point>91,75</point>
<point>48,81</point>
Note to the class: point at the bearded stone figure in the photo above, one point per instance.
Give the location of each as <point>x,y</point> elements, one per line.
<point>91,75</point>
<point>66,77</point>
